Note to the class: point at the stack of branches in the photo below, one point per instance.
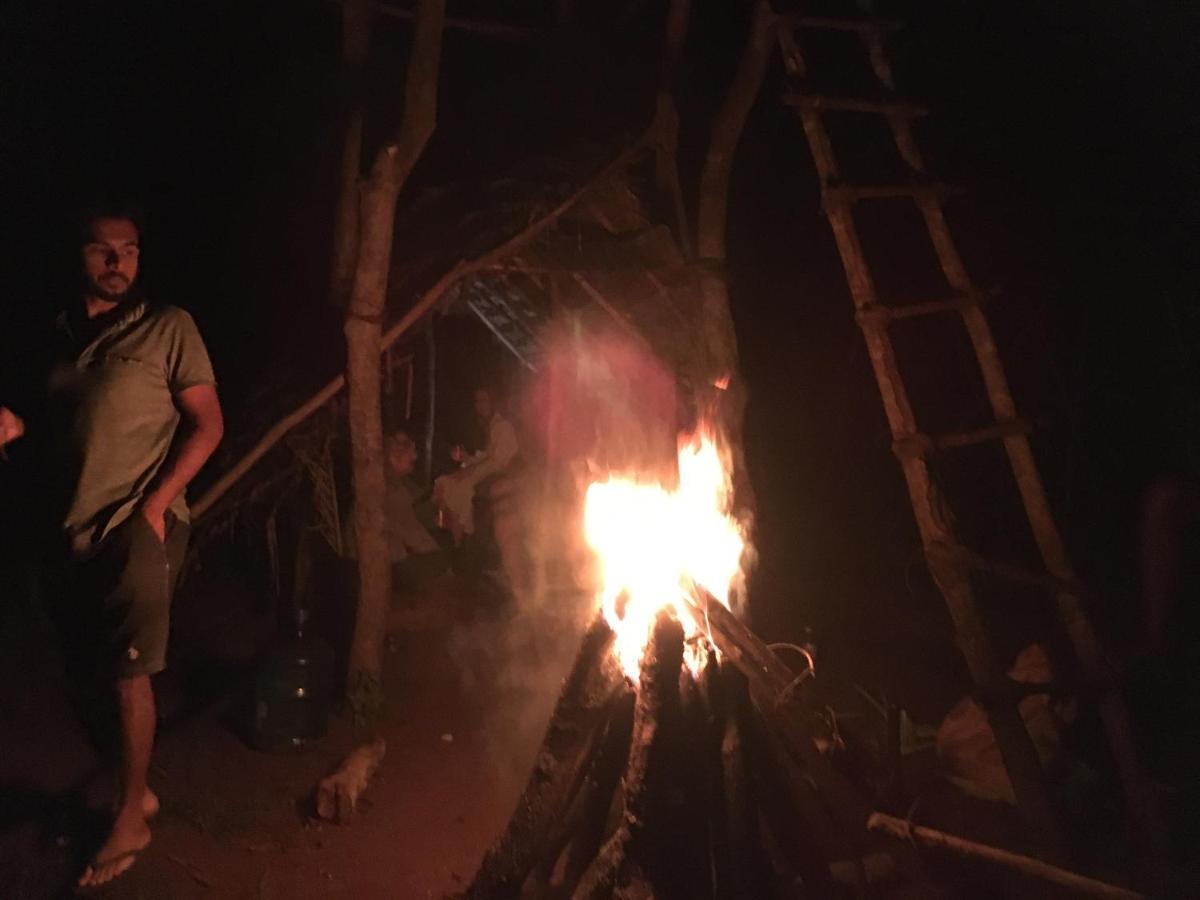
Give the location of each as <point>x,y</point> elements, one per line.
<point>707,781</point>
<point>676,786</point>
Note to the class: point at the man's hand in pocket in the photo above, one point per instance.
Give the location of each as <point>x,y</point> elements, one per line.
<point>11,426</point>
<point>157,519</point>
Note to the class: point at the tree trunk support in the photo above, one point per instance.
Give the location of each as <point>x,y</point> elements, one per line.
<point>364,323</point>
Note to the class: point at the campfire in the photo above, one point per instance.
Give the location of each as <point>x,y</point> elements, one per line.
<point>642,783</point>
<point>684,758</point>
<point>656,543</point>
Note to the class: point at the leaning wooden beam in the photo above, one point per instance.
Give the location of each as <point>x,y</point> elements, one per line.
<point>1026,865</point>
<point>571,738</point>
<point>424,304</point>
<point>659,686</point>
<point>595,800</point>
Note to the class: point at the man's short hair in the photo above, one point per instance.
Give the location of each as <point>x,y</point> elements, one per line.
<point>97,208</point>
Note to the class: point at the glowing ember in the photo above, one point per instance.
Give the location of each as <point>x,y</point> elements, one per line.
<point>652,542</point>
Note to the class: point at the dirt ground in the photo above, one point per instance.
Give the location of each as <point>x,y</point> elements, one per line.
<point>470,679</point>
<point>236,822</point>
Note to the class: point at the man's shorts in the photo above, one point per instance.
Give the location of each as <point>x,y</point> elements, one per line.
<point>114,608</point>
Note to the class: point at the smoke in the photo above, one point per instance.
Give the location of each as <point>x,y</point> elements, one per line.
<point>515,660</point>
<point>600,404</point>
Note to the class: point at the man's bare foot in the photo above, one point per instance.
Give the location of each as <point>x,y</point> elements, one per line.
<point>100,793</point>
<point>130,835</point>
<point>150,805</point>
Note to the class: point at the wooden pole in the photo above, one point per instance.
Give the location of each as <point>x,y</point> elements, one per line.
<point>1026,865</point>
<point>363,326</point>
<point>721,388</point>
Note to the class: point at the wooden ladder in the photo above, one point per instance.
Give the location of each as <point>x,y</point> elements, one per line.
<point>950,563</point>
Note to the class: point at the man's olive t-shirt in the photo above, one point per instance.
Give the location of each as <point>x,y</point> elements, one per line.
<point>113,415</point>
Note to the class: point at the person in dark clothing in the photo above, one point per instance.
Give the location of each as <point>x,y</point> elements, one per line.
<point>416,555</point>
<point>132,414</point>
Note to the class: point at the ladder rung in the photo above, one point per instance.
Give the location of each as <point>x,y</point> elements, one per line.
<point>852,104</point>
<point>921,444</point>
<point>839,24</point>
<point>848,193</point>
<point>877,313</point>
<point>1015,573</point>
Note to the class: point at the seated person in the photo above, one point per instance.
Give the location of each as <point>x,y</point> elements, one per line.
<point>455,492</point>
<point>415,554</point>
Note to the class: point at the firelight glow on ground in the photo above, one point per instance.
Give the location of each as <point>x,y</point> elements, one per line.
<point>652,542</point>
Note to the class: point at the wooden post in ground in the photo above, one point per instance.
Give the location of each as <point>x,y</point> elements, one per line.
<point>721,389</point>
<point>363,329</point>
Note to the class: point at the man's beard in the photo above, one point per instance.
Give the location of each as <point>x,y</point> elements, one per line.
<point>121,297</point>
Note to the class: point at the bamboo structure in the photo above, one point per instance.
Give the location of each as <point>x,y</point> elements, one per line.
<point>949,562</point>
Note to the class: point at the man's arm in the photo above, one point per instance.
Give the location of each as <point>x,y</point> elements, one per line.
<point>201,411</point>
<point>502,447</point>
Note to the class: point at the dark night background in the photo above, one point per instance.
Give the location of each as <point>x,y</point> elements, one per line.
<point>1072,125</point>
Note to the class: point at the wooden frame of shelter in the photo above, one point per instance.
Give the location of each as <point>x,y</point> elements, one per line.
<point>595,252</point>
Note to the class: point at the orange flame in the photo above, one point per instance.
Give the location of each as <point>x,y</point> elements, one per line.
<point>652,542</point>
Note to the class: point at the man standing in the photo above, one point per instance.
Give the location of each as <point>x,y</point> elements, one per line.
<point>132,416</point>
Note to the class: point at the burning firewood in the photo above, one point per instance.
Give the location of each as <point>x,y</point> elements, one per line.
<point>683,759</point>
<point>338,793</point>
<point>584,831</point>
<point>658,689</point>
<point>571,740</point>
